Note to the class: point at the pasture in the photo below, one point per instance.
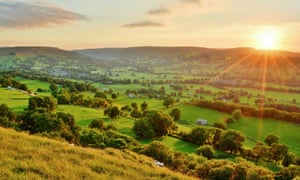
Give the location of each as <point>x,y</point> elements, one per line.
<point>253,128</point>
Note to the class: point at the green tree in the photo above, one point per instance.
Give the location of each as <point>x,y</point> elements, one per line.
<point>98,124</point>
<point>143,129</point>
<point>135,113</point>
<point>168,101</point>
<point>162,123</point>
<point>134,105</point>
<point>206,151</point>
<point>271,139</point>
<point>221,173</point>
<point>114,96</point>
<point>231,141</point>
<point>7,117</point>
<point>144,106</point>
<point>198,135</point>
<point>54,89</point>
<point>237,114</point>
<point>289,158</point>
<point>112,111</point>
<point>278,151</point>
<point>175,113</point>
<point>100,94</point>
<point>160,152</point>
<point>41,102</point>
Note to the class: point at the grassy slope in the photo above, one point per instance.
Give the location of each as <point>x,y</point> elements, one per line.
<point>31,157</point>
<point>252,127</point>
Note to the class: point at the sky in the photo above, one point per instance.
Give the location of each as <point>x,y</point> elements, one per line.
<point>80,24</point>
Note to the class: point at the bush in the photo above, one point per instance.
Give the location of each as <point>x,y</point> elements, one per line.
<point>206,151</point>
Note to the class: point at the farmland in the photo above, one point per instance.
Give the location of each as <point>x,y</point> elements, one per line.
<point>135,89</point>
<point>83,115</point>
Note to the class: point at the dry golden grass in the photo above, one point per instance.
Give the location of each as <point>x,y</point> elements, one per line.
<point>30,157</point>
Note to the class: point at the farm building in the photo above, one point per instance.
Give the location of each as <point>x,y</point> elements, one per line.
<point>202,121</point>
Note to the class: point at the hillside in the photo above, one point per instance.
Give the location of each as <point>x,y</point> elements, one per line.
<point>225,66</point>
<point>45,60</point>
<point>31,157</point>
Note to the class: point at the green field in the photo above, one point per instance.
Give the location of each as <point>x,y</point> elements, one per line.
<point>252,127</point>
<point>15,99</point>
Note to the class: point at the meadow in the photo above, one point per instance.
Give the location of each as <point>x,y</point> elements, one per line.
<point>253,128</point>
<point>32,157</point>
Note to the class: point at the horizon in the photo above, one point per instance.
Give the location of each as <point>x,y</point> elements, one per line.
<point>94,48</point>
<point>216,24</point>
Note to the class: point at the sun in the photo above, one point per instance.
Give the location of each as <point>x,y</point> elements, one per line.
<point>267,39</point>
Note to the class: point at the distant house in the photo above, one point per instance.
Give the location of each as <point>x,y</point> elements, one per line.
<point>10,88</point>
<point>131,95</point>
<point>201,121</point>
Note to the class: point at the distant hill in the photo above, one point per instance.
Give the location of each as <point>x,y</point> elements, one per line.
<point>169,52</point>
<point>31,157</point>
<point>46,60</point>
<point>96,64</point>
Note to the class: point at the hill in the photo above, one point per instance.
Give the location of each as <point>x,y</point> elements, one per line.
<point>32,157</point>
<point>45,60</point>
<point>227,65</point>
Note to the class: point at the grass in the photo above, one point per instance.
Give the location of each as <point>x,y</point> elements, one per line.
<point>251,127</point>
<point>174,143</point>
<point>33,85</point>
<point>31,157</point>
<point>14,99</point>
<point>83,115</point>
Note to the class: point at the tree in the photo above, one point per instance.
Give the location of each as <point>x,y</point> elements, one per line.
<point>278,151</point>
<point>112,111</point>
<point>144,106</point>
<point>155,121</point>
<point>54,89</point>
<point>100,95</point>
<point>288,159</point>
<point>6,116</point>
<point>161,123</point>
<point>98,124</point>
<point>135,113</point>
<point>175,113</point>
<point>41,102</point>
<point>231,141</point>
<point>134,105</point>
<point>168,101</point>
<point>23,87</point>
<point>143,129</point>
<point>158,151</point>
<point>271,139</point>
<point>220,125</point>
<point>198,135</point>
<point>237,114</point>
<point>206,151</point>
<point>221,173</point>
<point>114,96</point>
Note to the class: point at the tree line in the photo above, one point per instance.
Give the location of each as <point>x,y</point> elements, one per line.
<point>263,112</point>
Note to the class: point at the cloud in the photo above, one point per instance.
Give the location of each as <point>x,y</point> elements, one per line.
<point>176,8</point>
<point>160,11</point>
<point>143,24</point>
<point>21,15</point>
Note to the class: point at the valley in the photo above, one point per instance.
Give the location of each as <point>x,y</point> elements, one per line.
<point>200,83</point>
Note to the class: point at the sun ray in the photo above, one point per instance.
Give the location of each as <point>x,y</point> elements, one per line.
<point>229,68</point>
